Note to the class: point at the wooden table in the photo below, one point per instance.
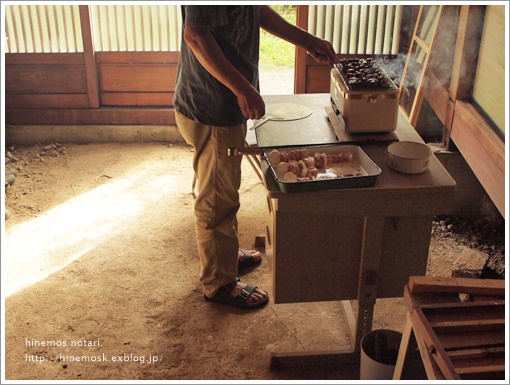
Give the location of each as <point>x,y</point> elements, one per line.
<point>353,245</point>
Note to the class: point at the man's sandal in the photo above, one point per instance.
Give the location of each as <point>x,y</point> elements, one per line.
<point>247,261</point>
<point>241,300</point>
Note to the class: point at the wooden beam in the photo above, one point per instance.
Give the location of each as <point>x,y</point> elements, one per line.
<point>466,50</point>
<point>89,56</point>
<point>419,284</point>
<point>138,57</point>
<point>47,101</point>
<point>140,77</point>
<point>95,116</point>
<point>45,79</point>
<point>483,150</point>
<point>137,99</point>
<point>12,59</point>
<point>300,65</point>
<point>282,360</point>
<point>441,62</point>
<point>437,97</point>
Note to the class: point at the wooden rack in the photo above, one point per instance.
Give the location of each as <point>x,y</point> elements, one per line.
<point>459,327</point>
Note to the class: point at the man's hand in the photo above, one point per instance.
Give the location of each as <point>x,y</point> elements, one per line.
<point>322,51</point>
<point>251,103</point>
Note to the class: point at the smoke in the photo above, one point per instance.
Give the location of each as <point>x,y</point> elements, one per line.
<point>393,66</point>
<point>442,47</point>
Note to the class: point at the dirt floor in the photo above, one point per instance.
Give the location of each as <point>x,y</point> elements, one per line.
<point>99,263</point>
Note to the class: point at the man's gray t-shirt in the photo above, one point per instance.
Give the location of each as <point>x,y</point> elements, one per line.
<point>198,95</point>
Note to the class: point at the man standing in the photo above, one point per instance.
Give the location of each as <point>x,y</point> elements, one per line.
<point>217,90</point>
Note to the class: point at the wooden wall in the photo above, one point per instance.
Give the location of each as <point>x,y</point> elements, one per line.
<point>90,88</point>
<point>464,126</point>
<point>45,81</point>
<point>137,79</point>
<point>54,89</point>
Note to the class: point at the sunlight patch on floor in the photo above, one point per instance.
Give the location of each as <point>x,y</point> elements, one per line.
<point>33,250</point>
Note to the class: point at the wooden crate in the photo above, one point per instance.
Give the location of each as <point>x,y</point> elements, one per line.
<point>459,326</point>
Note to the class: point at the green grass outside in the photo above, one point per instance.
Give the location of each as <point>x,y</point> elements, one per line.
<point>276,53</point>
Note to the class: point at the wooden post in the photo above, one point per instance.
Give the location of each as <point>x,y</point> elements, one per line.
<point>300,65</point>
<point>89,55</point>
<point>466,50</point>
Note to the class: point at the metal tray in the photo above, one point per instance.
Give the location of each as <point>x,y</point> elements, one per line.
<point>369,170</point>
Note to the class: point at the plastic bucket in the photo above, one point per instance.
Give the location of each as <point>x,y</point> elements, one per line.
<point>379,351</point>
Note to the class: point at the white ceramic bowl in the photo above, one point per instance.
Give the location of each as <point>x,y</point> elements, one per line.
<point>409,157</point>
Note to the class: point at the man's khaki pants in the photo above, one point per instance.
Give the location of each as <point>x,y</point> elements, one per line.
<point>217,202</point>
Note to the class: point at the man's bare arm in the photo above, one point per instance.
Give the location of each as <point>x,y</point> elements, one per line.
<point>319,49</point>
<point>207,51</point>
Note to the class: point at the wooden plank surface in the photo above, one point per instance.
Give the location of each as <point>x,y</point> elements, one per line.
<point>315,265</point>
<point>147,57</point>
<point>482,149</point>
<point>432,345</point>
<point>466,340</point>
<point>472,339</point>
<point>283,360</point>
<point>137,77</point>
<point>45,79</point>
<point>317,79</point>
<point>421,284</point>
<point>311,130</point>
<point>20,101</point>
<point>137,99</point>
<point>97,116</point>
<point>73,58</point>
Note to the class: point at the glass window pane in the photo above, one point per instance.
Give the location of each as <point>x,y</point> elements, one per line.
<point>490,78</point>
<point>412,78</point>
<point>426,27</point>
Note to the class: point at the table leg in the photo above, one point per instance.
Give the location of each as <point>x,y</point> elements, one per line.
<point>359,324</point>
<point>404,345</point>
<point>255,164</point>
<point>368,281</point>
